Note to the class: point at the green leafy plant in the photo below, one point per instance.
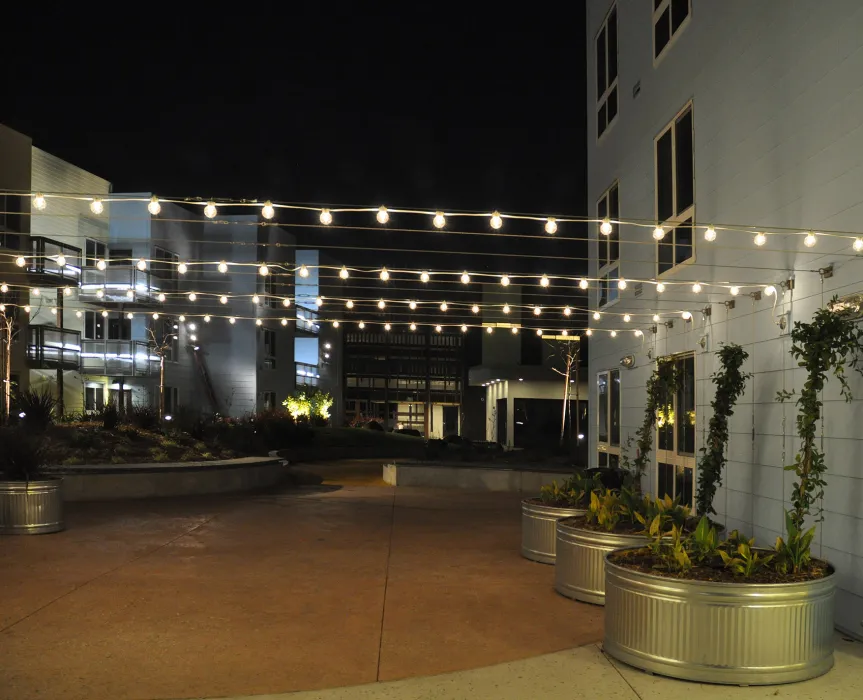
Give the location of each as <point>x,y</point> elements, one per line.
<point>745,560</point>
<point>144,417</point>
<point>794,554</point>
<point>22,454</point>
<point>730,382</point>
<point>661,516</point>
<point>704,543</point>
<point>662,382</point>
<point>309,407</point>
<point>605,509</point>
<point>36,409</point>
<point>571,493</point>
<point>110,417</point>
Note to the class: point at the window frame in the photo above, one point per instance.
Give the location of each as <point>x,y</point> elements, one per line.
<point>677,219</point>
<point>609,447</point>
<point>679,460</point>
<point>603,99</point>
<point>97,245</point>
<point>269,344</point>
<point>672,38</point>
<point>605,269</point>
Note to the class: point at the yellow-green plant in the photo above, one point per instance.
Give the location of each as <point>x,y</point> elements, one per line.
<point>605,509</point>
<point>305,407</point>
<point>794,554</point>
<point>745,560</point>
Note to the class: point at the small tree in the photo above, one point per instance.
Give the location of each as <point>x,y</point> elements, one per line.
<point>8,332</point>
<point>567,352</point>
<point>161,348</point>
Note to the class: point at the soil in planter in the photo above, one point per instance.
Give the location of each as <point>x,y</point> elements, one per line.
<point>555,504</point>
<point>642,560</point>
<point>622,528</point>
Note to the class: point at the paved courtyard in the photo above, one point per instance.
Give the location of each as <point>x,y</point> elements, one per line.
<point>346,583</point>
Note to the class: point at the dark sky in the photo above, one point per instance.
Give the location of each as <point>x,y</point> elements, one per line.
<point>448,107</point>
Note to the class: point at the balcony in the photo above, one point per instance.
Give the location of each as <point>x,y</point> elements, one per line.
<point>47,256</point>
<point>114,283</point>
<point>307,375</point>
<point>54,348</point>
<point>119,358</point>
<point>307,320</point>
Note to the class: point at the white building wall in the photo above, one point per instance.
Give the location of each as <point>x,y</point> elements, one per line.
<point>778,110</point>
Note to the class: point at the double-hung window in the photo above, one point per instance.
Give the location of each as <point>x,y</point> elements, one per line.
<point>606,73</point>
<point>670,17</point>
<point>608,414</point>
<point>675,432</point>
<point>675,192</point>
<point>608,261</point>
<point>269,349</point>
<point>94,251</point>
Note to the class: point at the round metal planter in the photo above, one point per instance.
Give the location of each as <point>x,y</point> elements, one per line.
<point>732,633</point>
<point>538,530</point>
<point>579,570</point>
<point>31,507</point>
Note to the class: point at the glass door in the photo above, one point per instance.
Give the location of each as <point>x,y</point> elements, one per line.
<point>675,433</point>
<point>608,413</point>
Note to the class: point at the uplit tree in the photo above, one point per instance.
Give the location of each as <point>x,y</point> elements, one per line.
<point>161,346</point>
<point>566,355</point>
<point>8,332</point>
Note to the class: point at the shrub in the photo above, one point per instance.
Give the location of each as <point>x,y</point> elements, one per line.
<point>37,407</point>
<point>144,417</point>
<point>110,417</point>
<point>22,454</point>
<point>374,425</point>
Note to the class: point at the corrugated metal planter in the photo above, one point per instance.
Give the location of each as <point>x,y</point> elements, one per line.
<point>733,633</point>
<point>579,571</point>
<point>538,529</point>
<point>31,507</point>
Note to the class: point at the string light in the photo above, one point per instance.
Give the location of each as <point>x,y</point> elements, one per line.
<point>193,337</point>
<point>656,318</point>
<point>182,319</point>
<point>496,221</point>
<point>36,292</point>
<point>383,215</point>
<point>605,227</point>
<point>286,302</point>
<point>567,311</point>
<point>343,273</point>
<point>223,267</point>
<point>564,332</point>
<point>438,329</point>
<point>154,207</point>
<point>53,309</point>
<point>514,330</point>
<point>543,281</point>
<point>659,233</point>
<point>210,210</point>
<point>504,281</point>
<point>613,334</point>
<point>207,318</point>
<point>810,240</point>
<point>696,288</point>
<point>439,220</point>
<point>304,271</point>
<point>20,261</point>
<point>621,283</point>
<point>686,315</point>
<point>268,211</point>
<point>263,270</point>
<point>319,302</point>
<point>475,309</point>
<point>61,260</point>
<point>101,264</point>
<point>192,327</point>
<point>27,309</point>
<point>464,328</point>
<point>588,332</point>
<point>4,288</point>
<point>326,218</point>
<point>361,325</point>
<point>537,311</point>
<point>424,277</point>
<point>96,206</point>
<point>39,201</point>
<point>387,326</point>
<point>67,291</point>
<point>130,293</point>
<point>155,316</point>
<point>335,324</point>
<point>858,244</point>
<point>104,313</point>
<point>710,234</point>
<point>382,305</point>
<point>465,278</point>
<point>443,306</point>
<point>734,291</point>
<point>539,331</point>
<point>550,226</point>
<point>489,330</point>
<point>232,320</point>
<point>161,297</point>
<point>256,299</point>
<point>142,264</point>
<point>412,305</point>
<point>582,283</point>
<point>193,296</point>
<point>596,316</point>
<point>385,275</point>
<point>349,304</point>
<point>770,290</point>
<point>506,308</point>
<point>182,268</point>
<point>760,239</point>
<point>78,314</point>
<point>637,332</point>
<point>284,322</point>
<point>100,293</point>
<point>223,299</point>
<point>130,315</point>
<point>413,326</point>
<point>660,288</point>
<point>627,318</point>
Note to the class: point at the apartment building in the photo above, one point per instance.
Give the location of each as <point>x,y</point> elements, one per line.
<point>731,112</point>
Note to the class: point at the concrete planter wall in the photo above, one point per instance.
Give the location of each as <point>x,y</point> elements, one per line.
<point>579,570</point>
<point>538,530</point>
<point>733,633</point>
<point>31,507</point>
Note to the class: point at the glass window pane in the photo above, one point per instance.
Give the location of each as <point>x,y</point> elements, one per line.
<point>665,254</point>
<point>613,291</point>
<point>614,214</point>
<point>682,242</point>
<point>656,4</point>
<point>661,33</point>
<point>666,480</point>
<point>683,485</point>
<point>603,459</point>
<point>614,461</point>
<point>603,292</point>
<point>602,412</point>
<point>601,119</point>
<point>679,12</point>
<point>612,46</point>
<point>612,105</point>
<point>683,160</point>
<point>615,408</point>
<point>600,64</point>
<point>601,213</point>
<point>686,407</point>
<point>664,181</point>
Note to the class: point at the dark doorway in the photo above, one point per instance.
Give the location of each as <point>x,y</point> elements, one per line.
<point>450,420</point>
<point>500,410</point>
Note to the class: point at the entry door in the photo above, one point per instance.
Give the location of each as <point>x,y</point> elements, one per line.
<point>675,435</point>
<point>501,420</point>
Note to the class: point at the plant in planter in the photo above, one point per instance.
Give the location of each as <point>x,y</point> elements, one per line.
<point>659,387</point>
<point>30,503</point>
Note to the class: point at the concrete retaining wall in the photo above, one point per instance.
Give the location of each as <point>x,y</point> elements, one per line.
<point>463,477</point>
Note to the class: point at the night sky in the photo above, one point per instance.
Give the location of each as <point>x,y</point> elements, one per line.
<point>450,109</point>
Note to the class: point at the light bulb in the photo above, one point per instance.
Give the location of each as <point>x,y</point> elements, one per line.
<point>596,316</point>
<point>207,318</point>
<point>464,328</point>
<point>387,326</point>
<point>550,226</point>
<point>621,283</point>
<point>161,297</point>
<point>193,327</point>
<point>543,281</point>
<point>438,328</point>
<point>660,288</point>
<point>413,326</point>
<point>256,299</point>
<point>223,299</point>
<point>465,278</point>
<point>20,261</point>
<point>686,315</point>
<point>504,280</point>
<point>537,311</point>
<point>100,293</point>
<point>155,316</point>
<point>538,331</point>
<point>319,302</point>
<point>130,315</point>
<point>439,220</point>
<point>210,210</point>
<point>361,325</point>
<point>61,261</point>
<point>710,234</point>
<point>78,314</point>
<point>475,308</point>
<point>36,292</point>
<point>27,309</point>
<point>154,207</point>
<point>192,296</point>
<point>382,304</point>
<point>383,215</point>
<point>96,206</point>
<point>582,284</point>
<point>659,233</point>
<point>734,291</point>
<point>443,306</point>
<point>769,290</point>
<point>263,271</point>
<point>349,304</point>
<point>858,244</point>
<point>605,227</point>
<point>412,305</point>
<point>193,337</point>
<point>335,324</point>
<point>182,319</point>
<point>39,201</point>
<point>760,239</point>
<point>286,302</point>
<point>627,318</point>
<point>5,288</point>
<point>506,308</point>
<point>489,330</point>
<point>564,332</point>
<point>284,322</point>
<point>696,288</point>
<point>496,221</point>
<point>613,334</point>
<point>567,311</point>
<point>343,273</point>
<point>514,330</point>
<point>656,318</point>
<point>385,275</point>
<point>142,264</point>
<point>326,217</point>
<point>232,320</point>
<point>101,264</point>
<point>130,293</point>
<point>810,240</point>
<point>588,332</point>
<point>104,314</point>
<point>223,267</point>
<point>304,271</point>
<point>637,332</point>
<point>268,211</point>
<point>424,277</point>
<point>182,268</point>
<point>53,309</point>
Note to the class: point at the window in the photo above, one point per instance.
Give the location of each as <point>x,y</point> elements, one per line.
<point>269,400</point>
<point>164,263</point>
<point>121,256</point>
<point>675,192</point>
<point>606,73</point>
<point>119,327</point>
<point>608,414</point>
<point>269,349</point>
<point>609,292</point>
<point>166,331</point>
<point>94,398</point>
<point>669,19</point>
<point>675,433</point>
<point>93,252</point>
<point>609,247</point>
<point>94,326</point>
<point>172,399</point>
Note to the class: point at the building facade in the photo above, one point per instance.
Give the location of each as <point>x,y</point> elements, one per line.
<point>738,113</point>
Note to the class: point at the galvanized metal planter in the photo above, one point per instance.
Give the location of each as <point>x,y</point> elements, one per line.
<point>538,530</point>
<point>579,570</point>
<point>31,507</point>
<point>733,633</point>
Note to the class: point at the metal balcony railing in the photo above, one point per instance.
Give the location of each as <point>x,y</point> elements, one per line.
<point>307,320</point>
<point>112,285</point>
<point>51,347</point>
<point>307,375</point>
<point>56,259</point>
<point>120,358</point>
